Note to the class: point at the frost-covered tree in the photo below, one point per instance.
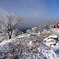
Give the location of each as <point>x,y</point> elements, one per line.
<point>9,22</point>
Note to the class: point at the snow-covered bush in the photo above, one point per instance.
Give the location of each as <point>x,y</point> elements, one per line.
<point>8,23</point>
<point>34,29</point>
<point>16,32</point>
<point>29,31</point>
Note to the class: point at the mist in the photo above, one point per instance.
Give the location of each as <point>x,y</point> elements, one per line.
<point>33,19</point>
<point>35,12</point>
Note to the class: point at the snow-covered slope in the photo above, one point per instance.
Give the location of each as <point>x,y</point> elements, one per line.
<point>30,46</point>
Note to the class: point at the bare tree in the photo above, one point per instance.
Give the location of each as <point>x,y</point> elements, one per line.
<point>9,22</point>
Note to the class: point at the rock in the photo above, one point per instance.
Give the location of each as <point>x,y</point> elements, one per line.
<point>50,42</point>
<point>53,36</point>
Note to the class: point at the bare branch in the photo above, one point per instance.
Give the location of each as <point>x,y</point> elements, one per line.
<point>8,23</point>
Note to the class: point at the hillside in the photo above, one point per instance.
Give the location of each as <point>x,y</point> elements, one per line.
<point>31,46</point>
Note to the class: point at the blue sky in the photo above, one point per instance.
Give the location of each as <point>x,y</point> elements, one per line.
<point>35,11</point>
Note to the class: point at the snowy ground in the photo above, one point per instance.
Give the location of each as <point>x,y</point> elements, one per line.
<point>31,46</point>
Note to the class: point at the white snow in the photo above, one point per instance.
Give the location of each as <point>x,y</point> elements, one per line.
<point>53,36</point>
<point>47,51</point>
<point>52,41</point>
<point>10,40</point>
<point>5,41</point>
<point>30,43</point>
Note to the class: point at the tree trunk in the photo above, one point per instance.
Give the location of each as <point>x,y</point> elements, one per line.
<point>9,36</point>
